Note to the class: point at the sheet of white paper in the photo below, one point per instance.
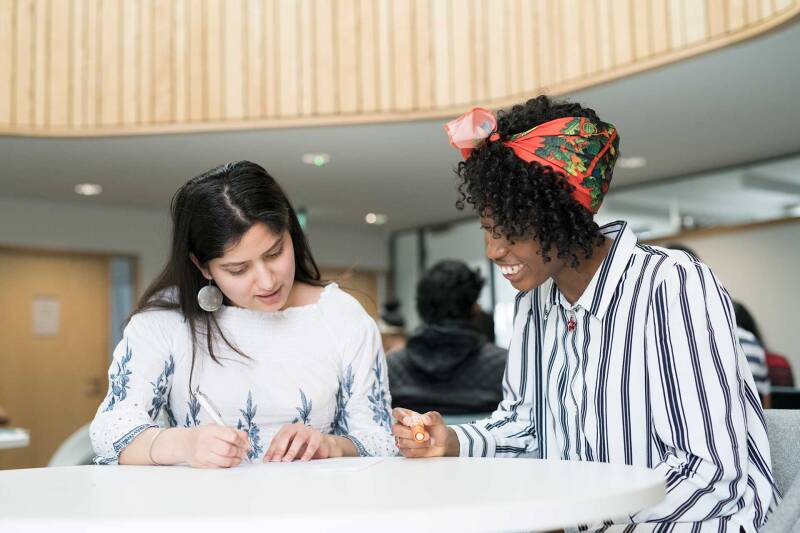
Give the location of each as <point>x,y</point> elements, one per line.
<point>339,464</point>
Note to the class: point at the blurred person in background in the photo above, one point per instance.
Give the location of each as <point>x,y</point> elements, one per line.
<point>447,365</point>
<point>392,326</point>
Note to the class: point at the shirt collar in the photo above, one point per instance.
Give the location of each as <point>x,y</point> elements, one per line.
<point>598,294</point>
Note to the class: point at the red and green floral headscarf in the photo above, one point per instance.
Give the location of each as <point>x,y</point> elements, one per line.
<point>583,150</point>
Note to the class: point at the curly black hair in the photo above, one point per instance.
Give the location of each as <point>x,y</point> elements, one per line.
<point>447,291</point>
<point>529,200</point>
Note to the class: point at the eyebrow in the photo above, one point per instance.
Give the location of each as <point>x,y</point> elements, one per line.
<point>272,248</point>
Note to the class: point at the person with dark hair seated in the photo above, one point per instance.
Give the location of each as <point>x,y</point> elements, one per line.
<point>779,371</point>
<point>483,322</point>
<point>447,365</point>
<point>750,340</point>
<point>621,352</point>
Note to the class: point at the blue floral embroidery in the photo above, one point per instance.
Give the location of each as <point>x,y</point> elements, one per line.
<point>304,410</point>
<point>126,439</point>
<point>377,398</point>
<point>249,425</point>
<point>119,379</point>
<point>160,391</point>
<point>173,422</point>
<point>340,423</point>
<point>362,451</point>
<point>194,411</point>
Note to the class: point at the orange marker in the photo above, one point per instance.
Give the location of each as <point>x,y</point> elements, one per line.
<point>418,430</point>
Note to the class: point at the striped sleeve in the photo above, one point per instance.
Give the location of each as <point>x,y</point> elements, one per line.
<point>756,359</point>
<point>510,431</point>
<point>697,398</point>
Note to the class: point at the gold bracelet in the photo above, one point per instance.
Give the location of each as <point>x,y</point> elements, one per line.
<point>150,450</point>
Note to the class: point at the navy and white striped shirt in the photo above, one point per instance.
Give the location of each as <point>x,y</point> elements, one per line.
<point>649,373</point>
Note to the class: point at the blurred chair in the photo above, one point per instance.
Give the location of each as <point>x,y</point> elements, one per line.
<point>76,450</point>
<point>782,429</point>
<point>786,518</point>
<point>783,426</point>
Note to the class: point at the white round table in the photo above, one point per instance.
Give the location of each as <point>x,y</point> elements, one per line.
<point>14,438</point>
<point>396,494</point>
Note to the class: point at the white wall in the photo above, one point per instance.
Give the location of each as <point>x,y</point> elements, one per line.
<point>146,234</point>
<point>34,224</point>
<point>361,249</point>
<point>759,266</point>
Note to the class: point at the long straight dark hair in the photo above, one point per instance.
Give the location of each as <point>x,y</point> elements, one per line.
<point>209,213</point>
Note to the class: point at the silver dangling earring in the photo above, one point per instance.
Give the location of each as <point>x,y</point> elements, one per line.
<point>210,297</point>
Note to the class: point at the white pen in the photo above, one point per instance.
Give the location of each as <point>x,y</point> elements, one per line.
<point>209,408</point>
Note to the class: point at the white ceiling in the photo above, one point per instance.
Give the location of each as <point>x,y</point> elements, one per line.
<point>729,107</point>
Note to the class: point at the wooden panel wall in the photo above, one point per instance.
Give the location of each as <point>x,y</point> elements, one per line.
<point>104,67</point>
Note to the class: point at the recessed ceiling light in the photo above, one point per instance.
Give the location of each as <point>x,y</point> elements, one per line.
<point>631,162</point>
<point>317,160</point>
<point>376,218</point>
<point>88,189</point>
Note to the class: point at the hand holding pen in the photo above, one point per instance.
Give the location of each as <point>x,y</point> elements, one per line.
<point>423,435</point>
<point>215,445</point>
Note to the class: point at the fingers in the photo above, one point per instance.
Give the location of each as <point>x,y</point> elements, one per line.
<point>298,442</point>
<point>312,446</point>
<point>433,418</point>
<point>214,460</point>
<point>280,443</point>
<point>401,414</point>
<point>401,431</point>
<point>411,443</point>
<point>236,437</point>
<point>226,449</point>
<point>412,425</point>
<point>230,442</point>
<point>417,453</point>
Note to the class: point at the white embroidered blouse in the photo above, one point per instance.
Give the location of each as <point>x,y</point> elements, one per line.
<point>320,364</point>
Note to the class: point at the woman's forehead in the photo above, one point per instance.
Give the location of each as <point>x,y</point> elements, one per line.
<point>256,240</point>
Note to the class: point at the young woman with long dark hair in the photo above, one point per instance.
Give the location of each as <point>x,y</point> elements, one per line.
<point>293,364</point>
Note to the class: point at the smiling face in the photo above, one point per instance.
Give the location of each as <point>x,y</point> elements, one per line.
<point>257,272</point>
<point>520,261</point>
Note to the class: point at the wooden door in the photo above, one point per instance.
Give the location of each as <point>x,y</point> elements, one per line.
<point>361,285</point>
<point>51,382</point>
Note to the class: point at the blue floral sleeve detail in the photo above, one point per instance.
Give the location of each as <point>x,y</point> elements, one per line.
<point>340,423</point>
<point>249,425</point>
<point>161,391</point>
<point>377,398</point>
<point>121,443</point>
<point>118,389</point>
<point>304,410</point>
<point>362,451</point>
<point>193,409</point>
